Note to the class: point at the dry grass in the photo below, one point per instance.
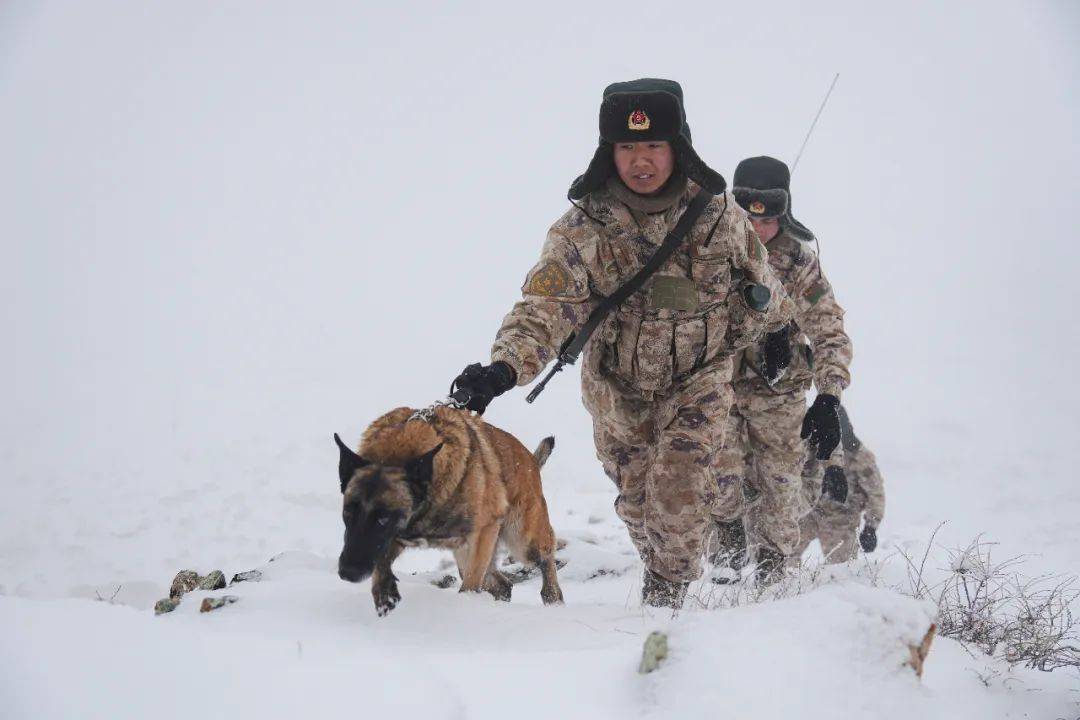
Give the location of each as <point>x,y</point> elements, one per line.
<point>989,605</point>
<point>994,606</point>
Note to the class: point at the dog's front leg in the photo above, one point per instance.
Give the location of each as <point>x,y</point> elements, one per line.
<point>383,583</point>
<point>475,556</point>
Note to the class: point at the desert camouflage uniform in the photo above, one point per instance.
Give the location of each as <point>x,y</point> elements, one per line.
<point>835,524</point>
<point>762,454</point>
<point>656,374</point>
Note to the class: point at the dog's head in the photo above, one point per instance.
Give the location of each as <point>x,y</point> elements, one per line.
<point>377,503</point>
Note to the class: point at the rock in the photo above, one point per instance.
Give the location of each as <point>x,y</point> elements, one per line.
<point>214,581</point>
<point>184,582</point>
<point>249,576</point>
<point>212,603</point>
<point>166,605</point>
<point>654,653</point>
<point>446,581</point>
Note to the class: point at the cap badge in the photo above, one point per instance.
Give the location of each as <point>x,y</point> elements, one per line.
<point>638,120</point>
<point>757,207</point>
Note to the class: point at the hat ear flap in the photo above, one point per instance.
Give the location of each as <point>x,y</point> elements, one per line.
<point>601,167</point>
<point>696,169</point>
<point>348,462</point>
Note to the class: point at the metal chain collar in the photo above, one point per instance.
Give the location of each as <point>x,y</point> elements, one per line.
<point>426,414</point>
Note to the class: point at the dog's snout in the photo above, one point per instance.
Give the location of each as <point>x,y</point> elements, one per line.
<point>352,573</point>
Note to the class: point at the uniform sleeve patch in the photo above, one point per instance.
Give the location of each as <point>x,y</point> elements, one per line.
<point>816,292</point>
<point>551,280</point>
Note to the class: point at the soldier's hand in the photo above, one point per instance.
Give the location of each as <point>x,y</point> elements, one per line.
<point>776,354</point>
<point>835,484</point>
<point>821,425</point>
<point>478,385</point>
<point>868,538</point>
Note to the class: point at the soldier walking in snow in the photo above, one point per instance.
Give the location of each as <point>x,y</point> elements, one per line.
<point>656,373</point>
<point>763,449</point>
<point>833,521</point>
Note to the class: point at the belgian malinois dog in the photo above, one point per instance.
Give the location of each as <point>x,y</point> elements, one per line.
<point>449,481</point>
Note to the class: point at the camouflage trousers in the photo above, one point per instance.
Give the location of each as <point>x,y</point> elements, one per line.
<point>658,450</point>
<point>762,453</point>
<point>836,525</point>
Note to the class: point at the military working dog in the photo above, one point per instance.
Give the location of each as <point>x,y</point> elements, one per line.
<point>446,480</point>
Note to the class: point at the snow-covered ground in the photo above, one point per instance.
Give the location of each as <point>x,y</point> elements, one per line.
<point>232,229</point>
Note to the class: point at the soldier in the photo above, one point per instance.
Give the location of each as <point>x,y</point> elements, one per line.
<point>763,449</point>
<point>656,374</point>
<point>835,518</point>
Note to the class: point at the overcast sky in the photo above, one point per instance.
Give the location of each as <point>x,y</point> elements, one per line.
<point>249,224</point>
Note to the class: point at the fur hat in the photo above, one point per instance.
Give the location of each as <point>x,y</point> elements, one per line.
<point>638,111</point>
<point>762,187</point>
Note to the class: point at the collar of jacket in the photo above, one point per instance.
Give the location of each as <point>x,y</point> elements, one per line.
<point>668,196</point>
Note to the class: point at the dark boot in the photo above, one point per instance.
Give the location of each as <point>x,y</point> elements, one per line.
<point>729,555</point>
<point>770,565</point>
<point>658,591</point>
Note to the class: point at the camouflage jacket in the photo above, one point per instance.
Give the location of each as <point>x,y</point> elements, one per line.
<point>688,314</point>
<point>821,348</point>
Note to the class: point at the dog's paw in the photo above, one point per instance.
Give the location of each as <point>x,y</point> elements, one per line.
<point>385,605</point>
<point>386,600</point>
<point>500,587</point>
<point>552,596</point>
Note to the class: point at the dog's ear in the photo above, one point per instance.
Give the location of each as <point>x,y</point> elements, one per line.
<point>349,463</point>
<point>419,471</point>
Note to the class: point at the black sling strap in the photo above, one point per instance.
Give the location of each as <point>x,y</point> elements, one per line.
<point>575,343</point>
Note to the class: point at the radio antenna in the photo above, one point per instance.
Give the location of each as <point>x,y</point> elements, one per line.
<point>814,124</point>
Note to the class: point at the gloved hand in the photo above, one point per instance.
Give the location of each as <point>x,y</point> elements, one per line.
<point>821,425</point>
<point>775,354</point>
<point>835,484</point>
<point>868,538</point>
<point>478,385</point>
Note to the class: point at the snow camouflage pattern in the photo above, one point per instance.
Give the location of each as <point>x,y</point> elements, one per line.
<point>835,524</point>
<point>656,374</point>
<point>762,449</point>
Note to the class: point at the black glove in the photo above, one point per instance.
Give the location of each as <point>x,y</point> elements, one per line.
<point>478,385</point>
<point>868,538</point>
<point>822,425</point>
<point>775,354</point>
<point>835,484</point>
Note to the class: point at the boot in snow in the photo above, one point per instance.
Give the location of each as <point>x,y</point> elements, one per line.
<point>729,553</point>
<point>770,565</point>
<point>658,591</point>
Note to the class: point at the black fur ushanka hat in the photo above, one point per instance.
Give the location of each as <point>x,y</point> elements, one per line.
<point>762,187</point>
<point>638,111</point>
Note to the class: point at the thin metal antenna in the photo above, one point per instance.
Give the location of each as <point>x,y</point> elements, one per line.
<point>814,124</point>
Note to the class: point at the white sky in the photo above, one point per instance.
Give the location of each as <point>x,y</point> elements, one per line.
<point>236,227</point>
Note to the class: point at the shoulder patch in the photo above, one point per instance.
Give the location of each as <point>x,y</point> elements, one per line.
<point>551,280</point>
<point>815,292</point>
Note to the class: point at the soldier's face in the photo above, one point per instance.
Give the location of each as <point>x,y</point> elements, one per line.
<point>766,228</point>
<point>644,167</point>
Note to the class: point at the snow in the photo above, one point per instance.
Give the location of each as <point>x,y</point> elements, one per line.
<point>231,230</point>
